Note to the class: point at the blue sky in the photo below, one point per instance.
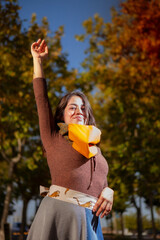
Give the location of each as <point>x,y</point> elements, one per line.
<point>70,14</point>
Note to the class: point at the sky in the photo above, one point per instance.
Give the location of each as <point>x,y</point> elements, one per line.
<point>70,14</point>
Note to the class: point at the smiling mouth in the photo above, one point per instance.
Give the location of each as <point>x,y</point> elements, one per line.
<point>79,118</point>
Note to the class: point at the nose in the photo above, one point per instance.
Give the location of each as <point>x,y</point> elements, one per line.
<point>78,110</point>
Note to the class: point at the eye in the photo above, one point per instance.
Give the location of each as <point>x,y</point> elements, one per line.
<point>72,108</point>
<point>83,108</point>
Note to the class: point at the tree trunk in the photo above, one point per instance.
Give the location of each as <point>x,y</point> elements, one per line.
<point>2,237</point>
<point>115,230</point>
<point>6,202</point>
<point>23,224</point>
<point>139,223</point>
<point>139,219</point>
<point>12,163</point>
<point>152,217</point>
<point>111,223</point>
<point>122,223</point>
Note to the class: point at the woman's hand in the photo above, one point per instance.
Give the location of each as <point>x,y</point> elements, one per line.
<point>104,204</point>
<point>39,49</point>
<point>39,52</point>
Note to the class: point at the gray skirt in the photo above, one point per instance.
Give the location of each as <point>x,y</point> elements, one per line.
<point>60,220</point>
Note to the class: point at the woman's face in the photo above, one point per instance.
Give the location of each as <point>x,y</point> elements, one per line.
<point>75,111</point>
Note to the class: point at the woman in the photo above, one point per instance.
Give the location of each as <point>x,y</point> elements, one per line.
<point>79,192</point>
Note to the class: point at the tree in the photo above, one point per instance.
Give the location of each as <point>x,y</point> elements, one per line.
<point>19,124</point>
<point>123,65</point>
<point>27,182</point>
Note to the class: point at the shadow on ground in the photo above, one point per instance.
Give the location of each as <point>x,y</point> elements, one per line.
<point>113,237</point>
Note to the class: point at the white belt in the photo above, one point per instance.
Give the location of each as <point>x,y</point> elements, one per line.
<point>69,195</point>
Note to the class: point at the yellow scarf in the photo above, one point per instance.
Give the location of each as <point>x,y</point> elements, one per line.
<point>85,138</point>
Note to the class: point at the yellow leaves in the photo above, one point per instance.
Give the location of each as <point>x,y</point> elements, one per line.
<point>154,169</point>
<point>3,170</point>
<point>27,74</point>
<point>87,24</point>
<point>33,18</point>
<point>80,37</point>
<point>157,124</point>
<point>100,67</point>
<point>20,94</point>
<point>99,23</point>
<point>133,71</point>
<point>27,97</point>
<point>31,164</point>
<point>148,100</point>
<point>11,73</point>
<point>61,30</point>
<point>56,53</point>
<point>45,22</point>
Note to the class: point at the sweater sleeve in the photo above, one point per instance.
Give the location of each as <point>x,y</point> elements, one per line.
<point>106,180</point>
<point>105,183</point>
<point>46,120</point>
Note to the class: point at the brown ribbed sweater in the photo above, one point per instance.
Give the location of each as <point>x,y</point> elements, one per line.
<point>68,168</point>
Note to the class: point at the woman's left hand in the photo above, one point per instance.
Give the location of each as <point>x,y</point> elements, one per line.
<point>104,204</point>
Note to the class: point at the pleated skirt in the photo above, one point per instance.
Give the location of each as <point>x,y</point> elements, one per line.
<point>60,220</point>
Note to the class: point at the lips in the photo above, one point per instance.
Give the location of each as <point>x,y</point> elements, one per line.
<point>79,118</point>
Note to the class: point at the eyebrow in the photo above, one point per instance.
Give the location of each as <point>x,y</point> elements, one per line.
<point>75,104</point>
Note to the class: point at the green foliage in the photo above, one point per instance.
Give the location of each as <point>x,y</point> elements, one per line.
<point>122,70</point>
<point>130,222</point>
<point>21,153</point>
<point>121,78</point>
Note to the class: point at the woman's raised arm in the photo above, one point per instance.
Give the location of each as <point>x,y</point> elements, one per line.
<point>39,52</point>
